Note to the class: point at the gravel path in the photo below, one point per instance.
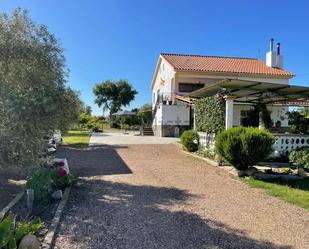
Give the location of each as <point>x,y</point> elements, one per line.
<point>155,196</point>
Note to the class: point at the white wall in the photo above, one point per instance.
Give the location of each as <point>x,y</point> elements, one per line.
<point>175,115</point>
<point>166,73</point>
<point>172,115</point>
<point>278,113</point>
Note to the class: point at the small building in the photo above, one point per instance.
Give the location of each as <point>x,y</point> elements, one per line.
<point>179,78</point>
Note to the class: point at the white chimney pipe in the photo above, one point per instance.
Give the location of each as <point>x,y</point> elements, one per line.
<point>271,55</point>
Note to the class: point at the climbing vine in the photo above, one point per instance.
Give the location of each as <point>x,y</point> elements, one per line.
<point>210,114</point>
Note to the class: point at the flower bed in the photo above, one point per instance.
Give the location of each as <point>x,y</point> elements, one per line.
<point>47,184</point>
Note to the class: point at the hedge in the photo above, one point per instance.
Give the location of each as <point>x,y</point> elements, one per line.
<point>210,114</point>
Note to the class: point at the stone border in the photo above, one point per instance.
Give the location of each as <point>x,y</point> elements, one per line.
<point>232,171</point>
<point>208,160</point>
<point>50,236</point>
<point>11,204</point>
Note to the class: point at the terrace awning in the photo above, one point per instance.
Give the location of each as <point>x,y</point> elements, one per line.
<point>255,92</point>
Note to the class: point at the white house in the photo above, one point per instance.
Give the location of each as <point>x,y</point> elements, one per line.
<point>179,77</point>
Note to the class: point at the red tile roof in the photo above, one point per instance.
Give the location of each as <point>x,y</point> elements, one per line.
<point>221,64</point>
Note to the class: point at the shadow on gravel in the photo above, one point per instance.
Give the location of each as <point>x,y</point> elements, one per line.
<point>94,160</point>
<point>104,214</point>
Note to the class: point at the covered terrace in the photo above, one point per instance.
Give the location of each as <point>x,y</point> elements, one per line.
<point>244,92</point>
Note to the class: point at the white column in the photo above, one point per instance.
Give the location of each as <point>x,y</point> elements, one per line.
<point>229,109</point>
<point>261,123</point>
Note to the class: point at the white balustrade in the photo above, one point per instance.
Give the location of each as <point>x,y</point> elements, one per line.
<point>285,143</point>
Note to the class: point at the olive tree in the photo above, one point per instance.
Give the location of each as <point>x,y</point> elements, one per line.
<point>112,95</point>
<point>34,99</point>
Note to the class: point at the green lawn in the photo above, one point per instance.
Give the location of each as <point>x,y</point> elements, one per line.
<point>106,128</point>
<point>77,138</point>
<point>294,191</point>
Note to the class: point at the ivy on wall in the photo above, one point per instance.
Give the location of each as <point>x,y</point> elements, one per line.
<point>210,114</point>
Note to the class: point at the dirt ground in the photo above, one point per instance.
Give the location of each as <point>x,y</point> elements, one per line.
<point>10,186</point>
<point>155,196</point>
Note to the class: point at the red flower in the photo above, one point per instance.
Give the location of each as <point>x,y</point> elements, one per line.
<point>62,172</point>
<point>61,164</point>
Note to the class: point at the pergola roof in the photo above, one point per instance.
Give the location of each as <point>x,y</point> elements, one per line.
<point>254,92</point>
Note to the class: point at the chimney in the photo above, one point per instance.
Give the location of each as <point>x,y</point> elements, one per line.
<point>271,55</point>
<point>279,57</point>
<point>278,48</point>
<point>274,59</point>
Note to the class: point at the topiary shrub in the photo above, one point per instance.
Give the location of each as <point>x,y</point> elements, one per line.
<point>243,147</point>
<point>190,139</point>
<point>300,156</point>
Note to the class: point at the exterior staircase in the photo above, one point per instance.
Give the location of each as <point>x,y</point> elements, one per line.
<point>147,131</point>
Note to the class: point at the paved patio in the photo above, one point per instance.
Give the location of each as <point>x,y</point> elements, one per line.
<point>155,196</point>
<point>130,138</point>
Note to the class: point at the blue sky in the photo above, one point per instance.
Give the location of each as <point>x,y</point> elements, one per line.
<point>112,39</point>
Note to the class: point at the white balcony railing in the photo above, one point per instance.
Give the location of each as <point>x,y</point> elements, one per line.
<point>284,143</point>
<point>287,142</point>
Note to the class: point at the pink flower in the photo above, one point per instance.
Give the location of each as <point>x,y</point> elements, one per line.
<point>62,172</point>
<point>61,164</point>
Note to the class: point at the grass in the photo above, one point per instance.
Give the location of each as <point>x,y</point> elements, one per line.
<point>78,138</point>
<point>106,128</point>
<point>294,191</point>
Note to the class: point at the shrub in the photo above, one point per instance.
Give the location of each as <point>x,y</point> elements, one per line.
<point>190,139</point>
<point>60,178</point>
<point>11,235</point>
<point>243,147</point>
<point>300,156</point>
<point>42,184</point>
<point>45,181</point>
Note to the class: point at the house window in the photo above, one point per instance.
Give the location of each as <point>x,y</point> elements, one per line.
<point>188,87</point>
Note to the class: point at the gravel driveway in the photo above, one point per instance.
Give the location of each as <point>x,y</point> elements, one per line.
<point>155,196</point>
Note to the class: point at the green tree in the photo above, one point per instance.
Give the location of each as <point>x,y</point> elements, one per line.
<point>112,95</point>
<point>84,119</point>
<point>34,99</point>
<point>87,109</point>
<point>144,113</point>
<point>298,122</point>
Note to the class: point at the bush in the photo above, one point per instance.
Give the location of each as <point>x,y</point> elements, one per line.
<point>45,181</point>
<point>60,178</point>
<point>190,139</point>
<point>12,234</point>
<point>243,147</point>
<point>300,156</point>
<point>42,184</point>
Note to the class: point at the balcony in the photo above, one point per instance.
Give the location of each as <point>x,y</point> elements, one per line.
<point>165,99</point>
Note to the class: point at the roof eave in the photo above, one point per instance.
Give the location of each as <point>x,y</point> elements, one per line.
<point>258,75</point>
<point>155,72</point>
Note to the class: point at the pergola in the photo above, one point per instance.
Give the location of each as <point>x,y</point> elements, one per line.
<point>253,92</point>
